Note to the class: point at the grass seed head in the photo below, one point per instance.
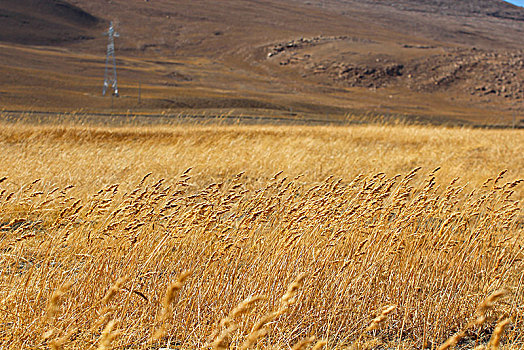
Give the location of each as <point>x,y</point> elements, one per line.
<point>319,345</point>
<point>377,321</point>
<point>289,297</point>
<point>57,344</point>
<point>301,345</point>
<point>173,288</point>
<point>114,290</point>
<point>108,335</point>
<point>167,302</point>
<point>56,300</point>
<point>488,304</point>
<point>221,342</point>
<point>452,341</point>
<point>494,342</point>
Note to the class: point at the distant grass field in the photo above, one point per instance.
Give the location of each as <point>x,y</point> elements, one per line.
<point>93,157</point>
<point>190,237</point>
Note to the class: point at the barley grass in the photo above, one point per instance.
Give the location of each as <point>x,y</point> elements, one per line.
<point>99,226</point>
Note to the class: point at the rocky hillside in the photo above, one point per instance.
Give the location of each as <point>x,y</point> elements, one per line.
<point>477,72</point>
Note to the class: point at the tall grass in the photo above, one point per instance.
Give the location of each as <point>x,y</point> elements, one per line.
<point>365,262</point>
<point>92,157</point>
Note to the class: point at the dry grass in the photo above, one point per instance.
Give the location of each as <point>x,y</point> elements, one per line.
<point>274,262</point>
<point>93,157</point>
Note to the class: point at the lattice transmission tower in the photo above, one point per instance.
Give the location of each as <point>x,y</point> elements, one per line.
<point>110,75</point>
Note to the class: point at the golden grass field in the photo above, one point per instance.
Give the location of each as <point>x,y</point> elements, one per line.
<point>109,240</point>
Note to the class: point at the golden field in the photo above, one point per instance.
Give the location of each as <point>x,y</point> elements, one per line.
<point>110,240</point>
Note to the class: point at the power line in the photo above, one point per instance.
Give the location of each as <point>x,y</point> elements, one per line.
<point>110,79</point>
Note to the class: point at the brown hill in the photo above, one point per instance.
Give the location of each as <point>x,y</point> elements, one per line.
<point>439,60</point>
<point>465,8</point>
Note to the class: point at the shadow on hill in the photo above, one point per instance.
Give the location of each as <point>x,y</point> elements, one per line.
<point>44,22</point>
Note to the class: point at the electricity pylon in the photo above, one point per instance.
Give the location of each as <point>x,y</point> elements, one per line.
<point>110,77</point>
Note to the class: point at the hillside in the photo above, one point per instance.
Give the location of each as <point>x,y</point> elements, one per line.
<point>432,60</point>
